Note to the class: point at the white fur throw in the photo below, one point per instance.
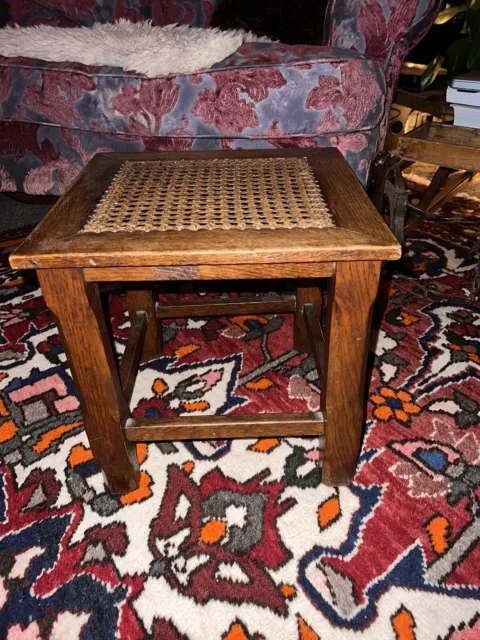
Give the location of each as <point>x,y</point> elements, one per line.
<point>135,46</point>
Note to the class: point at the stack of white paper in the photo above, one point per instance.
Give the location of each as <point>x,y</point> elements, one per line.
<point>464,96</point>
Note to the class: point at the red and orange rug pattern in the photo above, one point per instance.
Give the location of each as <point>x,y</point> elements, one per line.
<point>239,540</point>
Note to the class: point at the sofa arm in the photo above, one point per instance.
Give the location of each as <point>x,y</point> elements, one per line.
<point>365,26</point>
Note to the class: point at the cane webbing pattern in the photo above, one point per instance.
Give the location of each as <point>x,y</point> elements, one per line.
<point>223,193</point>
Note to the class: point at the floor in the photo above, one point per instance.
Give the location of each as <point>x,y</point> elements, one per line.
<point>240,540</point>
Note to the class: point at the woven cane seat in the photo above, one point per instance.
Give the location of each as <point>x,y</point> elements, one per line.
<point>227,193</point>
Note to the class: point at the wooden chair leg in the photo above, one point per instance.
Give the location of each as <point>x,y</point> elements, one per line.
<point>78,311</point>
<point>449,190</point>
<point>305,295</point>
<point>146,300</point>
<point>350,297</point>
<point>440,191</point>
<point>436,183</point>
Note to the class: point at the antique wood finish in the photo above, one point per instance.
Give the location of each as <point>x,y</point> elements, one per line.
<point>139,299</point>
<point>81,323</point>
<point>70,265</point>
<point>315,336</point>
<point>350,297</point>
<point>438,180</point>
<point>359,235</point>
<point>449,134</point>
<point>449,189</point>
<point>305,295</point>
<point>220,247</point>
<point>132,354</point>
<point>442,145</point>
<point>215,427</point>
<point>211,272</point>
<point>189,309</point>
<point>450,147</point>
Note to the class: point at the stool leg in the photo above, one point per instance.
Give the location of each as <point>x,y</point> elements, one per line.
<point>350,297</point>
<point>305,295</point>
<point>146,300</point>
<point>77,308</point>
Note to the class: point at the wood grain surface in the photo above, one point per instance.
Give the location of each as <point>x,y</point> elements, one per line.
<point>360,234</point>
<point>350,297</point>
<point>139,299</point>
<point>217,427</point>
<point>78,311</point>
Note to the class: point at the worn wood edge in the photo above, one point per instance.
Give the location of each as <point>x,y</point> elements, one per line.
<point>190,309</point>
<point>315,336</point>
<point>432,152</point>
<point>328,245</point>
<point>214,427</point>
<point>353,211</point>
<point>48,248</point>
<point>133,353</point>
<point>405,143</point>
<point>428,132</point>
<point>210,272</point>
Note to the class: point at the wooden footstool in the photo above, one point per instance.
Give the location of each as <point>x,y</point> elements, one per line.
<point>139,218</point>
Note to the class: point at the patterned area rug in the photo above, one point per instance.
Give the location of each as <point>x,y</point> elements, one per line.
<point>239,540</point>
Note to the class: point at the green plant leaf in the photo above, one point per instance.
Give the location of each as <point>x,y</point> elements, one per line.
<point>457,55</point>
<point>473,60</point>
<point>430,73</point>
<point>447,14</point>
<point>472,19</point>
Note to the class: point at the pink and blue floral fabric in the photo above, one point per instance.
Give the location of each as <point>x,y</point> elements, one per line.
<point>54,117</point>
<point>73,13</point>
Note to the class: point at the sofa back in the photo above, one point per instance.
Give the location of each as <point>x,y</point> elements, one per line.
<point>379,28</point>
<point>71,13</point>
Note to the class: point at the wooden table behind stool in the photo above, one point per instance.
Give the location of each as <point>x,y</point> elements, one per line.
<point>70,264</point>
<point>452,149</point>
<point>456,152</point>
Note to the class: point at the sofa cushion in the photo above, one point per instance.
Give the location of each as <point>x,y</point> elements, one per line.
<point>261,91</point>
<point>41,159</point>
<point>72,13</point>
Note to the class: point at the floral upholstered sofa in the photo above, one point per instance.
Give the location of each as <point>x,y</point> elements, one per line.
<point>55,116</point>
